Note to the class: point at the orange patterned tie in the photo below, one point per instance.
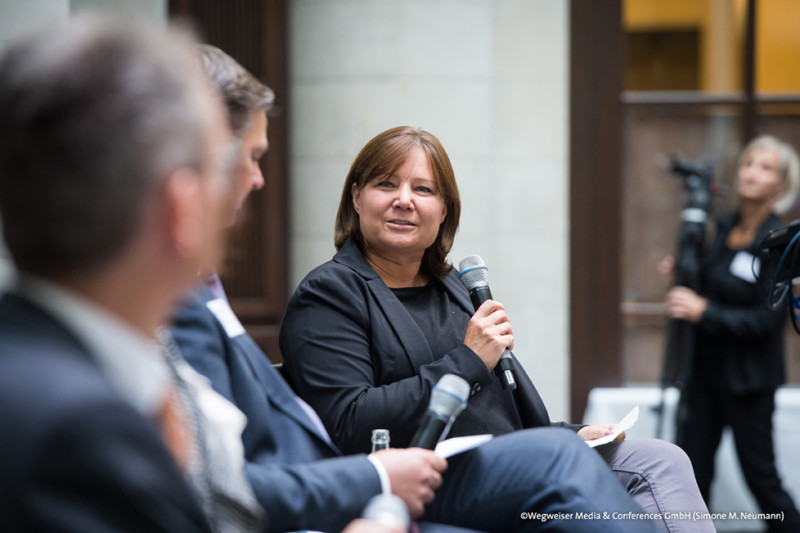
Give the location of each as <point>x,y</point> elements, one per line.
<point>176,431</point>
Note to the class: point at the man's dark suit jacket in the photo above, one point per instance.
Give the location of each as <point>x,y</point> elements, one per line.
<point>73,455</point>
<point>298,476</point>
<point>357,356</point>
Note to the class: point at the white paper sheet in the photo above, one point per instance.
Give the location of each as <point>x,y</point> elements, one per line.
<point>624,425</point>
<point>456,445</point>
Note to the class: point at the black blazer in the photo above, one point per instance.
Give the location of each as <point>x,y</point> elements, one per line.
<point>357,356</point>
<point>73,455</point>
<point>740,338</point>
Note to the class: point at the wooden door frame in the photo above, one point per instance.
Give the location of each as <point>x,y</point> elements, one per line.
<point>254,32</point>
<point>596,82</point>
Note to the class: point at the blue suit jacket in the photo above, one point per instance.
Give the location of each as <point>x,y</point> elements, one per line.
<point>298,476</point>
<point>73,455</point>
<point>354,352</point>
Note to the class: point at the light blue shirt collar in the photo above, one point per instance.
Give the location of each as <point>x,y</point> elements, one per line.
<point>131,361</point>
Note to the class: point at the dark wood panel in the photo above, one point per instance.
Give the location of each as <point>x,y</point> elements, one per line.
<point>256,272</point>
<point>596,76</point>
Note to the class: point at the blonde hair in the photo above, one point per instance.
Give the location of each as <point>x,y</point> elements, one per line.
<point>789,168</point>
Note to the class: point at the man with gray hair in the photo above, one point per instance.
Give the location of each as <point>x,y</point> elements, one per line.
<point>114,191</point>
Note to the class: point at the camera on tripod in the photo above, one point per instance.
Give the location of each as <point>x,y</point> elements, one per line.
<point>699,185</point>
<point>699,188</point>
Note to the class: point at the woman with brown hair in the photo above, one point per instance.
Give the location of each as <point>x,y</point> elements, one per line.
<point>367,335</point>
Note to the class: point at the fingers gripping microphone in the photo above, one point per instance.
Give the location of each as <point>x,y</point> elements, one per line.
<point>388,510</point>
<point>474,275</point>
<point>448,399</point>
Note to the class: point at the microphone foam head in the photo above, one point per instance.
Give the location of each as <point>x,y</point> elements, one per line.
<point>449,395</point>
<point>388,510</point>
<point>473,272</point>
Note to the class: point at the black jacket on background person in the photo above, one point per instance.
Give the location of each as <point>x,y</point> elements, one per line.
<point>740,337</point>
<point>738,365</point>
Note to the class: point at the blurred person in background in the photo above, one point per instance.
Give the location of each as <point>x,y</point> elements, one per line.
<point>737,361</point>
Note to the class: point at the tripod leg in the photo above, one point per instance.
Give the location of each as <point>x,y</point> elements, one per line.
<point>669,374</point>
<point>687,361</point>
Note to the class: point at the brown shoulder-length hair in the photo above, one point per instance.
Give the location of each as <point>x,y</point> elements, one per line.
<point>382,156</point>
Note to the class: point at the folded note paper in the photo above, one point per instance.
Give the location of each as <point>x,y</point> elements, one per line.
<point>624,425</point>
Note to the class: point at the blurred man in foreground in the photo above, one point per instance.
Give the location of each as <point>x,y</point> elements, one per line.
<point>113,192</point>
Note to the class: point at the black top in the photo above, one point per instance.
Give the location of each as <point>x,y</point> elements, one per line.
<point>444,324</point>
<point>740,338</point>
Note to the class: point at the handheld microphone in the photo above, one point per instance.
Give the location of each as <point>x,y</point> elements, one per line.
<point>474,275</point>
<point>448,399</point>
<point>388,510</point>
